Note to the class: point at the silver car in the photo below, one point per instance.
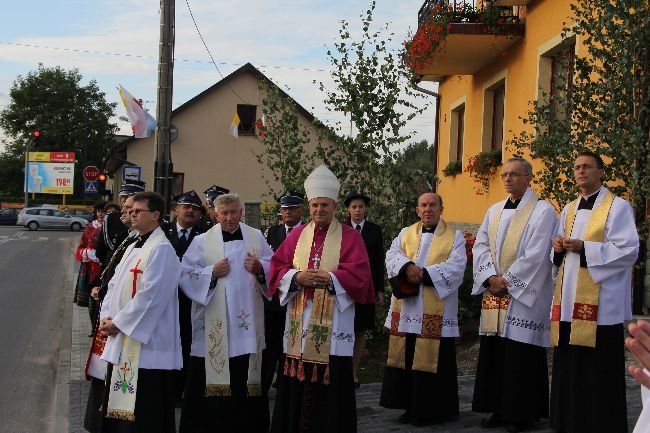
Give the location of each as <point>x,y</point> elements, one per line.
<point>40,217</point>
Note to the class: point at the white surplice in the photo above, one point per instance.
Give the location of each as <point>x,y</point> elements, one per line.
<point>609,262</point>
<point>151,317</point>
<point>446,276</point>
<point>528,316</point>
<point>241,296</point>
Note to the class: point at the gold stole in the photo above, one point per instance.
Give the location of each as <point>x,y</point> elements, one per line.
<point>494,308</point>
<point>123,384</point>
<point>427,344</point>
<point>585,306</point>
<point>319,331</point>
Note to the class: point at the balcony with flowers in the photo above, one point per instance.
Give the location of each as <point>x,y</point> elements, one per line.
<point>457,37</point>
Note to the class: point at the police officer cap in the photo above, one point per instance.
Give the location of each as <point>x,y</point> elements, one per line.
<point>356,194</point>
<point>215,191</point>
<point>291,199</point>
<point>130,187</point>
<point>190,197</point>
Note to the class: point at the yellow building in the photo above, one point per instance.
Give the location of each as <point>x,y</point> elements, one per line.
<point>487,75</point>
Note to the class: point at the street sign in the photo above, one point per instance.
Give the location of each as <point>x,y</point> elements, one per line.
<point>91,173</point>
<point>132,172</point>
<point>91,187</point>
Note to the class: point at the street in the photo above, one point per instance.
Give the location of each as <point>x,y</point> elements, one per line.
<point>33,266</point>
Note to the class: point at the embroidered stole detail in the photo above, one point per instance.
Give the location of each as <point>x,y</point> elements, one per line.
<point>585,306</point>
<point>495,308</point>
<point>319,330</point>
<point>427,344</point>
<point>217,367</point>
<point>124,380</point>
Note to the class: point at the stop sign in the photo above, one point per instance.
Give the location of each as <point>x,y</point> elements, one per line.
<point>91,173</point>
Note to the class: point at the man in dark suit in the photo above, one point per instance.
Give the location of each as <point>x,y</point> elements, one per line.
<point>357,204</point>
<point>291,211</point>
<point>180,233</point>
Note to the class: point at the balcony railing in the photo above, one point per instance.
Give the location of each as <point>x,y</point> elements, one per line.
<point>469,36</point>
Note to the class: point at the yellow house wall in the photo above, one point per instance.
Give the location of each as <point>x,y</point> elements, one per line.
<point>206,153</point>
<point>519,66</point>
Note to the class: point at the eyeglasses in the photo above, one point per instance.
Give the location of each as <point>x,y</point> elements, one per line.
<point>513,174</point>
<point>137,211</point>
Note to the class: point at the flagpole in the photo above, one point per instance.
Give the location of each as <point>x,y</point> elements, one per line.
<point>163,167</point>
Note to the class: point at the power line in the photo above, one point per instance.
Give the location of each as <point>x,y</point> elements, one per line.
<point>139,56</point>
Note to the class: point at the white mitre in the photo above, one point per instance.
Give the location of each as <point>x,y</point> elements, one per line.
<point>322,183</point>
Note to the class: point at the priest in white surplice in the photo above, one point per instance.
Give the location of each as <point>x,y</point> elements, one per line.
<point>224,274</point>
<point>320,271</point>
<point>513,275</point>
<point>427,260</point>
<point>140,317</point>
<point>595,247</point>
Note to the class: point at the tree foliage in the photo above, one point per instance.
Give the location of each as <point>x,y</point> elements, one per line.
<point>71,117</point>
<point>285,142</point>
<point>606,109</point>
<point>371,89</point>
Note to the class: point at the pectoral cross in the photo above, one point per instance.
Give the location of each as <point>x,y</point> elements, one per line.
<point>315,262</point>
<point>135,271</point>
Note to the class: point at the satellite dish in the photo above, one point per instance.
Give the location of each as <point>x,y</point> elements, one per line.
<point>173,132</point>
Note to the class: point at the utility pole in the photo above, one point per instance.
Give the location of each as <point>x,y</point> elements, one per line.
<point>163,167</point>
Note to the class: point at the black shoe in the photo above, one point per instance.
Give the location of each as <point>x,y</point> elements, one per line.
<point>404,418</point>
<point>493,421</point>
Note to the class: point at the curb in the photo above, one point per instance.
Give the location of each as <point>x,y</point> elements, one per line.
<point>61,401</point>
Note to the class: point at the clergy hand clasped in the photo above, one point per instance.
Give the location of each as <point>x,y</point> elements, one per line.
<point>252,264</point>
<point>313,278</point>
<point>498,286</point>
<point>107,328</point>
<point>414,274</point>
<point>560,244</point>
<point>221,268</point>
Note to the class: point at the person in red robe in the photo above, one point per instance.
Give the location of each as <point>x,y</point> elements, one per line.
<point>90,265</point>
<point>320,288</point>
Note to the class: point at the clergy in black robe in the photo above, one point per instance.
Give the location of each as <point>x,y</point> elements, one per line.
<point>595,247</point>
<point>180,233</point>
<point>425,264</point>
<point>320,270</point>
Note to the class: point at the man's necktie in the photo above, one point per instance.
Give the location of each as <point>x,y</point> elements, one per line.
<point>182,239</point>
<point>358,227</point>
<point>289,230</point>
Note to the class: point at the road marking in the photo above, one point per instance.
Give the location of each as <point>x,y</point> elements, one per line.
<point>41,238</point>
<point>11,238</point>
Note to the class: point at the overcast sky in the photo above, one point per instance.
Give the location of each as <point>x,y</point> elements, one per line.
<point>116,42</point>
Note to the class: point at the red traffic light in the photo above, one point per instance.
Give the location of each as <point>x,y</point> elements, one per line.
<point>37,134</point>
<point>101,177</point>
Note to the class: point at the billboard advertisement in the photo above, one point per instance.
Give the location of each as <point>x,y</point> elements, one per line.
<point>50,172</point>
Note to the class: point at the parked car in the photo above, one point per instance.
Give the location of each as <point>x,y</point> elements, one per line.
<point>83,213</point>
<point>38,217</point>
<point>9,216</point>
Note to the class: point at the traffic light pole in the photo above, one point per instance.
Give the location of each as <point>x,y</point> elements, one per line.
<point>163,167</point>
<point>29,146</point>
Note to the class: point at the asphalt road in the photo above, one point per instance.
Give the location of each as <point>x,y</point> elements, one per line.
<point>32,288</point>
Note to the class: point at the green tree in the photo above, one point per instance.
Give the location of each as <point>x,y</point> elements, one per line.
<point>71,117</point>
<point>284,140</point>
<point>605,110</point>
<point>371,89</point>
